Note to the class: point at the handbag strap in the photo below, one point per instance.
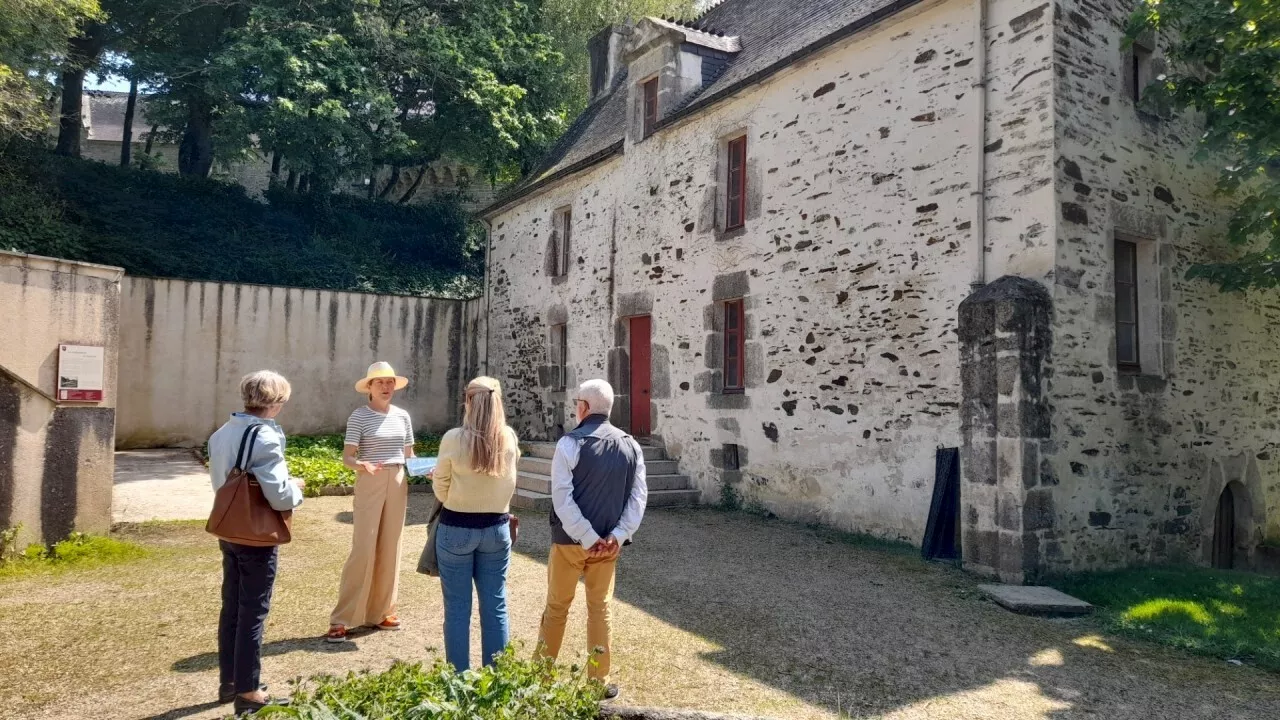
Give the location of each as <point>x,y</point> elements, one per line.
<point>250,437</point>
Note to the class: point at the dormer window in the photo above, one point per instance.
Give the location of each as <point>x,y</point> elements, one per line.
<point>650,89</point>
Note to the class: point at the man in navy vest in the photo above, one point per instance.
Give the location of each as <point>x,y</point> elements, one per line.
<point>598,491</point>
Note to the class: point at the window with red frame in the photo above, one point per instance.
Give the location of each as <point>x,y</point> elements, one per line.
<point>650,106</point>
<point>736,200</point>
<point>734,346</point>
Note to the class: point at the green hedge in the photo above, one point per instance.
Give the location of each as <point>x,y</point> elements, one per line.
<point>164,225</point>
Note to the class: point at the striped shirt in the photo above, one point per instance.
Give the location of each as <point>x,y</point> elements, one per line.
<point>380,438</point>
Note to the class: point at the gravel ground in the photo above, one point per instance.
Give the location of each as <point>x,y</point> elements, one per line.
<point>715,611</point>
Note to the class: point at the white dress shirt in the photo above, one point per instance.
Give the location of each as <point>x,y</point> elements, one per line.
<point>571,518</point>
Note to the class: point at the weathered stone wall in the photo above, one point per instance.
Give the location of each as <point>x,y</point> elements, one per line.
<point>56,458</point>
<point>1139,461</point>
<point>857,252</point>
<point>185,345</point>
<point>254,175</point>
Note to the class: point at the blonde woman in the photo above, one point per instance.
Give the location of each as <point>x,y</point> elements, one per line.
<point>378,441</point>
<point>474,480</point>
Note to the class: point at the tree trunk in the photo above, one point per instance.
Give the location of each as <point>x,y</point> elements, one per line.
<point>391,182</point>
<point>69,118</point>
<point>292,184</point>
<point>276,160</point>
<point>151,136</point>
<point>126,138</point>
<point>195,154</point>
<point>82,53</point>
<point>413,189</point>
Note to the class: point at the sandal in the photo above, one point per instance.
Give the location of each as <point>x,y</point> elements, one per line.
<point>336,634</point>
<point>227,692</point>
<point>390,622</point>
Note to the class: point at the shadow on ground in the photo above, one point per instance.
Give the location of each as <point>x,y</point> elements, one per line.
<point>209,660</point>
<point>861,629</point>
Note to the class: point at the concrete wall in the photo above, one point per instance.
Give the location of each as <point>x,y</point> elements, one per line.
<point>185,345</point>
<point>1140,460</point>
<point>857,252</point>
<point>56,460</point>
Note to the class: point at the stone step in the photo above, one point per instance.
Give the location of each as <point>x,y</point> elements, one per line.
<point>542,466</point>
<point>542,483</point>
<point>545,451</point>
<point>531,500</point>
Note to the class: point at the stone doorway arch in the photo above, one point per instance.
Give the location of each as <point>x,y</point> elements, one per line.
<point>1232,513</point>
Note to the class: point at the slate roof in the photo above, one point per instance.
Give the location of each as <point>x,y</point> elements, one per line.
<point>773,34</point>
<point>105,116</point>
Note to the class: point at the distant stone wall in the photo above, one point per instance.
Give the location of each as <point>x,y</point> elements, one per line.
<point>185,345</point>
<point>56,459</point>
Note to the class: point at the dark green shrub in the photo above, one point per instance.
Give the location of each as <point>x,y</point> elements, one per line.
<point>164,225</point>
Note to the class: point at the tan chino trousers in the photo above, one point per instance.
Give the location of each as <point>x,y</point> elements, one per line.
<point>566,564</point>
<point>371,577</point>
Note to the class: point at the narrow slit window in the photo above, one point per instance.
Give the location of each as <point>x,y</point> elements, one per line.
<point>559,355</point>
<point>1140,71</point>
<point>736,197</point>
<point>564,229</point>
<point>650,106</point>
<point>1127,332</point>
<point>734,345</point>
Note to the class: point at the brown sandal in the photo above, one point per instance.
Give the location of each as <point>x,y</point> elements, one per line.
<point>336,634</point>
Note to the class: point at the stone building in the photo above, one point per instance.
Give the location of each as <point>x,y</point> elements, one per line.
<point>813,243</point>
<point>102,118</point>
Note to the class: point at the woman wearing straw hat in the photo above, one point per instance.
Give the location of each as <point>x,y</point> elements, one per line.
<point>379,439</point>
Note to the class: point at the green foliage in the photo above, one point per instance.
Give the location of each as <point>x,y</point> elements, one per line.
<point>318,460</point>
<point>574,22</point>
<point>163,225</point>
<point>1224,614</point>
<point>33,40</point>
<point>1224,64</point>
<point>77,551</point>
<point>511,689</point>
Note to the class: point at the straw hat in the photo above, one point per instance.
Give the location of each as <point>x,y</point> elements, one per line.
<point>380,370</point>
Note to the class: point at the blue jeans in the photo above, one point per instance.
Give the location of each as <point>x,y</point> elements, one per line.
<point>468,555</point>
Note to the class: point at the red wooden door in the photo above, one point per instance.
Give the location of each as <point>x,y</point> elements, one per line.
<point>641,377</point>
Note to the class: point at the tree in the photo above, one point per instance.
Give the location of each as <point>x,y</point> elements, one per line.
<point>574,22</point>
<point>34,36</point>
<point>1224,64</point>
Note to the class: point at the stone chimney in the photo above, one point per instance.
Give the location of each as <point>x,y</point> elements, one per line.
<point>605,52</point>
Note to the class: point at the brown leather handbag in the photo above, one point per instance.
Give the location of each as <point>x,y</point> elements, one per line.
<point>241,513</point>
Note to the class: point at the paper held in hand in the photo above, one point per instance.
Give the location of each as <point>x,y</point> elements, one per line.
<point>420,466</point>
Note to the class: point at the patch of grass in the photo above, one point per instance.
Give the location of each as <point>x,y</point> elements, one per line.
<point>318,460</point>
<point>1224,614</point>
<point>511,688</point>
<point>77,551</point>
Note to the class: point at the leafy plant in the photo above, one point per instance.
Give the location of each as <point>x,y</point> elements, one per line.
<point>318,460</point>
<point>1224,64</point>
<point>510,689</point>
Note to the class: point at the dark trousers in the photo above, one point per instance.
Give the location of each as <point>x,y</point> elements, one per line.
<point>248,575</point>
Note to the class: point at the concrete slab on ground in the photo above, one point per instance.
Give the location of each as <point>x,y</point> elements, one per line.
<point>160,485</point>
<point>1035,600</point>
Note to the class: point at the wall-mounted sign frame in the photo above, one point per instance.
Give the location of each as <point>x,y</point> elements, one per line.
<point>80,373</point>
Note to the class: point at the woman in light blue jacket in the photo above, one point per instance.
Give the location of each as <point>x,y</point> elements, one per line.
<point>249,573</point>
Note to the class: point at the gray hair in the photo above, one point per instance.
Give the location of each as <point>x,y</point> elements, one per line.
<point>598,395</point>
<point>263,389</point>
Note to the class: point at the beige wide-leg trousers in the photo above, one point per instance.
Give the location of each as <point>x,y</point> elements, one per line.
<point>371,577</point>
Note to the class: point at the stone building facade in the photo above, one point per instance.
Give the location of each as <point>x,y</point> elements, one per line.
<point>915,250</point>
